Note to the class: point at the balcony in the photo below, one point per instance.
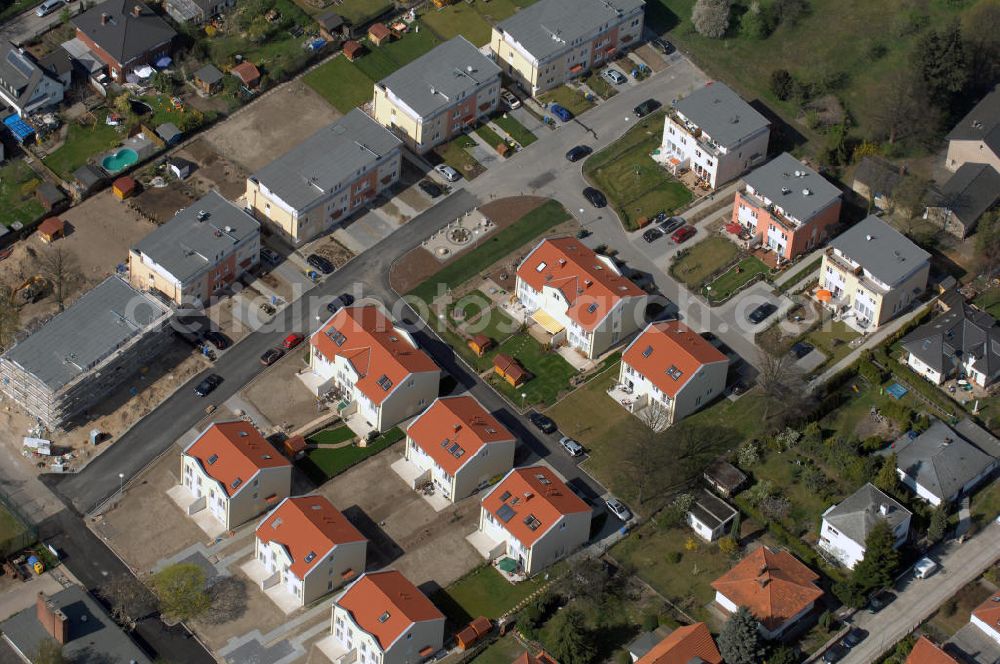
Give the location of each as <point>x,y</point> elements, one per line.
<point>786,223</point>
<point>842,264</point>
<point>705,143</point>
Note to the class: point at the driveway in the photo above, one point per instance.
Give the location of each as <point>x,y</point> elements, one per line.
<point>918,598</point>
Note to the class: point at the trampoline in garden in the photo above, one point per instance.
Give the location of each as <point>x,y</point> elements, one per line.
<point>896,391</point>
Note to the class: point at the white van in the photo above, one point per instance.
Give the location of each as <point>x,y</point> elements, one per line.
<point>924,568</point>
<point>48,7</point>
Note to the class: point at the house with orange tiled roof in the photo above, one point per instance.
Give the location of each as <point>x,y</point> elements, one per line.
<point>987,617</point>
<point>668,372</point>
<point>541,658</point>
<point>529,520</point>
<point>925,652</point>
<point>579,297</point>
<point>303,549</point>
<point>457,446</point>
<point>692,643</point>
<point>382,618</point>
<point>776,588</point>
<point>375,369</point>
<point>231,474</point>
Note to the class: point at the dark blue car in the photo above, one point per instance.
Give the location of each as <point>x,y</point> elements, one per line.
<point>560,112</point>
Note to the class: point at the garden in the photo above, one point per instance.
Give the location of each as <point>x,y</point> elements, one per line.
<point>84,139</point>
<point>335,450</point>
<point>569,98</point>
<point>692,266</point>
<point>455,153</point>
<point>17,193</point>
<point>735,279</point>
<point>472,19</point>
<point>515,129</point>
<point>485,592</point>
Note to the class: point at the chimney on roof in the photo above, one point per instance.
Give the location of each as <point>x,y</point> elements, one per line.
<point>562,261</point>
<point>884,509</point>
<point>105,17</point>
<point>528,495</point>
<point>53,620</point>
<point>868,238</point>
<point>136,11</point>
<point>457,426</point>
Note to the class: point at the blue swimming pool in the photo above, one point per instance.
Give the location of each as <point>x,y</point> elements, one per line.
<point>119,160</point>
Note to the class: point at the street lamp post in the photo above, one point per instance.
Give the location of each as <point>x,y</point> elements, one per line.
<point>524,395</point>
<point>121,484</point>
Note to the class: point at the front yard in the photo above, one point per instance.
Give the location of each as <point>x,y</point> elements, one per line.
<point>515,129</point>
<point>455,154</point>
<point>17,193</point>
<point>323,463</point>
<point>636,186</point>
<point>569,98</point>
<point>485,592</point>
<point>833,338</point>
<point>735,278</point>
<point>699,262</point>
<point>599,85</point>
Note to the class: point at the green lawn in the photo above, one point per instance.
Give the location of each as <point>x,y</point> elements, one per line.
<point>480,317</point>
<point>17,193</point>
<point>380,61</point>
<point>731,281</point>
<point>503,651</point>
<point>13,534</point>
<point>986,503</point>
<point>340,83</point>
<point>515,129</point>
<point>484,592</point>
<point>833,339</point>
<point>322,463</point>
<point>989,301</point>
<point>492,249</point>
<point>636,186</point>
<point>82,143</point>
<point>359,12</point>
<point>567,97</point>
<point>454,154</point>
<point>702,260</point>
<point>491,137</point>
<point>599,84</point>
<point>550,373</point>
<point>332,436</point>
<point>471,18</point>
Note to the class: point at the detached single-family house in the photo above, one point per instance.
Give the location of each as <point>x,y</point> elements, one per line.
<point>875,180</point>
<point>531,519</point>
<point>550,42</point>
<point>439,95</point>
<point>976,138</point>
<point>710,516</point>
<point>579,296</point>
<point>715,134</point>
<point>961,342</point>
<point>231,470</point>
<point>201,251</point>
<point>333,173</point>
<point>846,526</point>
<point>25,86</point>
<point>926,652</point>
<point>872,273</point>
<point>457,445</point>
<point>377,371</point>
<point>305,548</point>
<point>776,588</point>
<point>669,372</point>
<point>940,465</point>
<point>965,197</point>
<point>787,207</point>
<point>125,34</point>
<point>382,618</point>
<point>685,645</point>
<point>986,617</point>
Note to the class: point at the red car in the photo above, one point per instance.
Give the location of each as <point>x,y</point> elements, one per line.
<point>292,340</point>
<point>682,234</point>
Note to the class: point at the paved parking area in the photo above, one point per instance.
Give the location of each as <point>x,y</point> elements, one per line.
<point>404,531</point>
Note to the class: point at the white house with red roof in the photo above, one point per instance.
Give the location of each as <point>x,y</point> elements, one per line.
<point>232,473</point>
<point>457,446</point>
<point>987,617</point>
<point>579,296</point>
<point>303,549</point>
<point>529,520</point>
<point>382,618</point>
<point>669,372</point>
<point>374,369</point>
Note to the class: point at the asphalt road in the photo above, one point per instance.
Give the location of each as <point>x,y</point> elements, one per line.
<point>27,25</point>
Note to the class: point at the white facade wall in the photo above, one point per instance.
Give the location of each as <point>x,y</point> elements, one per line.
<point>404,650</point>
<point>643,390</point>
<point>718,164</point>
<point>707,384</point>
<point>564,537</point>
<point>406,399</point>
<point>924,370</point>
<point>989,630</point>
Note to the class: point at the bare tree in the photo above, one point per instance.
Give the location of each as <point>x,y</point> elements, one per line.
<point>711,17</point>
<point>897,109</point>
<point>645,454</point>
<point>62,269</point>
<point>130,601</point>
<point>229,600</point>
<point>10,316</point>
<point>783,388</point>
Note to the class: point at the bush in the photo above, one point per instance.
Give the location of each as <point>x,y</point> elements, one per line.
<point>650,621</point>
<point>782,84</point>
<point>674,557</point>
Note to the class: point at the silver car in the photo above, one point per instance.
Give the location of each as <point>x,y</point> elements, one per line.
<point>615,76</point>
<point>572,447</point>
<point>618,508</point>
<point>447,172</point>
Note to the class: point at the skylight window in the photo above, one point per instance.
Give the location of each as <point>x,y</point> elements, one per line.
<point>592,308</point>
<point>384,382</point>
<point>311,556</point>
<point>382,618</point>
<point>674,372</point>
<point>541,266</point>
<point>444,443</point>
<point>337,336</point>
<point>542,479</point>
<point>648,351</point>
<point>505,496</point>
<point>531,522</point>
<point>238,481</point>
<point>212,459</point>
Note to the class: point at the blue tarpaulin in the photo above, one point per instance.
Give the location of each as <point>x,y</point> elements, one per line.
<point>163,62</point>
<point>22,130</point>
<point>897,391</point>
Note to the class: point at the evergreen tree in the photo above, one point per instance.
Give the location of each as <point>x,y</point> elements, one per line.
<point>571,643</point>
<point>877,569</point>
<point>887,479</point>
<point>739,641</point>
<point>939,523</point>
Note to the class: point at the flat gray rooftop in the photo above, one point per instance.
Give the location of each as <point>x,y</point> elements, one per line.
<point>721,113</point>
<point>785,180</point>
<point>880,249</point>
<point>103,320</point>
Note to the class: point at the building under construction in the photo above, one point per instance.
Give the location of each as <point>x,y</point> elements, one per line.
<point>85,352</point>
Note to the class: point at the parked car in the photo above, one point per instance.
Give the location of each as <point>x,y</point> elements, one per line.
<point>432,189</point>
<point>646,107</point>
<point>560,112</point>
<point>834,653</point>
<point>572,447</point>
<point>321,263</point>
<point>618,508</point>
<point>582,233</point>
<point>595,197</point>
<point>800,349</point>
<point>853,637</point>
<point>269,255</point>
<point>615,76</point>
<point>880,600</point>
<point>509,99</point>
<point>672,224</point>
<point>542,422</point>
<point>292,340</point>
<point>205,387</point>
<point>339,302</point>
<point>652,234</point>
<point>683,234</point>
<point>663,46</point>
<point>447,172</point>
<point>762,312</point>
<point>578,153</point>
<point>48,7</point>
<point>924,568</point>
<point>271,355</point>
<point>217,339</point>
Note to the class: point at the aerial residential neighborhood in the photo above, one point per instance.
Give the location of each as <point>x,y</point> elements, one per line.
<point>496,331</point>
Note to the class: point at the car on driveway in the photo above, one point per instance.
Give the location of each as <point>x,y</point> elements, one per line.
<point>292,340</point>
<point>618,508</point>
<point>321,263</point>
<point>205,387</point>
<point>432,189</point>
<point>560,112</point>
<point>509,99</point>
<point>572,447</point>
<point>652,234</point>
<point>543,423</point>
<point>595,197</point>
<point>615,76</point>
<point>645,108</point>
<point>759,314</point>
<point>447,172</point>
<point>663,46</point>
<point>217,339</point>
<point>834,653</point>
<point>853,637</point>
<point>271,355</point>
<point>672,224</point>
<point>578,153</point>
<point>683,234</point>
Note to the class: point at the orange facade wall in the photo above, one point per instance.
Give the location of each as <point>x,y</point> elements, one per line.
<point>809,235</point>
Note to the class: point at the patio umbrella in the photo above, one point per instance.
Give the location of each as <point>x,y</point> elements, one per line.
<point>824,295</point>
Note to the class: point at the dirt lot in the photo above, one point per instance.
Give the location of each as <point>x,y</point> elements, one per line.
<point>290,407</point>
<point>419,265</point>
<point>403,530</point>
<point>271,125</point>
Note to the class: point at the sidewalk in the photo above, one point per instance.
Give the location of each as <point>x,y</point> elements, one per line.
<point>802,264</point>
